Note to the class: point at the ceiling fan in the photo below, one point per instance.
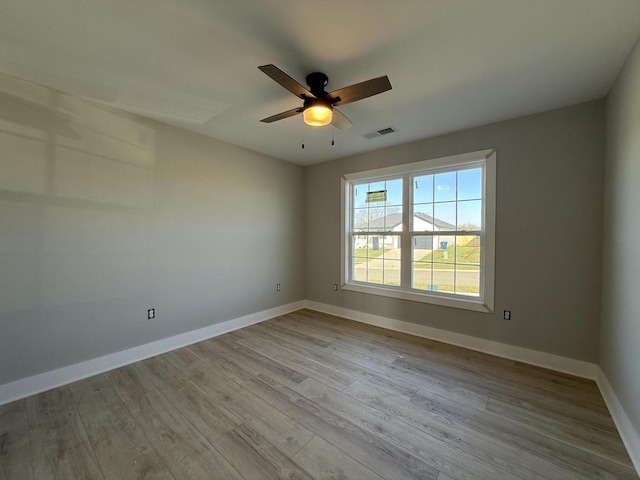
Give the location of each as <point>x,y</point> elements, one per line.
<point>318,108</point>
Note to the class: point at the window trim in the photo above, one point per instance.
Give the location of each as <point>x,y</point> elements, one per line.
<point>484,304</point>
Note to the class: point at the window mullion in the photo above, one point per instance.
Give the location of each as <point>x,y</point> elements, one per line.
<point>405,239</point>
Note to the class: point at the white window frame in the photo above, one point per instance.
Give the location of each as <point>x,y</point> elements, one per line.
<point>484,303</point>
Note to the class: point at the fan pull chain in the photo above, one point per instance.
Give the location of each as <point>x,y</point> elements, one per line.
<point>333,131</point>
<point>302,132</point>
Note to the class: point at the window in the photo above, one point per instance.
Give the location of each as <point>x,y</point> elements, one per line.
<point>423,231</point>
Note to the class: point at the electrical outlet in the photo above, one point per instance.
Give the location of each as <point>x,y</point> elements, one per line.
<point>278,287</point>
<point>151,314</point>
<point>335,287</point>
<point>507,315</point>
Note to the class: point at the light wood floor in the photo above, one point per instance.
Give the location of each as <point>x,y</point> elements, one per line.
<point>311,396</point>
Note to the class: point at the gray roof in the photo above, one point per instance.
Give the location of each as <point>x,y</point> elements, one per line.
<point>392,220</point>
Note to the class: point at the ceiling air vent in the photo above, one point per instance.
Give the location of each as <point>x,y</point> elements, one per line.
<point>379,133</point>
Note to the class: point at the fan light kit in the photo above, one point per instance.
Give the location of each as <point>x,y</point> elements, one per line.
<point>317,116</point>
<point>318,108</point>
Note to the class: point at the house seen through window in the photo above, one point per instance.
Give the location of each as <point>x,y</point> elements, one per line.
<point>423,231</point>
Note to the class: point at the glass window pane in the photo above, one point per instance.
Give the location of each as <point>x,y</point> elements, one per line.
<point>393,219</point>
<point>377,258</point>
<point>421,276</point>
<point>468,280</point>
<point>421,254</point>
<point>470,184</point>
<point>394,192</point>
<point>361,219</point>
<point>375,270</point>
<point>467,250</point>
<point>423,189</point>
<point>421,248</point>
<point>359,246</point>
<point>360,271</point>
<point>360,196</point>
<point>470,215</point>
<point>445,187</point>
<point>392,247</point>
<point>391,272</point>
<point>378,206</point>
<point>375,187</point>
<point>443,278</point>
<point>445,216</point>
<point>423,217</point>
<point>376,219</point>
<point>444,249</point>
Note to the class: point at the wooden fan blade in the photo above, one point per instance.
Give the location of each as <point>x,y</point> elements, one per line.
<point>280,116</point>
<point>286,81</point>
<point>340,120</point>
<point>360,90</point>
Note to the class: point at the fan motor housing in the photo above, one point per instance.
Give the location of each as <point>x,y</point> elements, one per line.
<point>317,81</point>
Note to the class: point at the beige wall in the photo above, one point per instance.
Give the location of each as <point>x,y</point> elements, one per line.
<point>104,214</point>
<point>620,338</point>
<point>548,239</point>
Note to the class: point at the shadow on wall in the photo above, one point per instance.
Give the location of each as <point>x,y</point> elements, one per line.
<point>76,189</point>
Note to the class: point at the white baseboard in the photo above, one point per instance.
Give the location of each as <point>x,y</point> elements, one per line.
<point>25,387</point>
<point>558,363</point>
<point>629,434</point>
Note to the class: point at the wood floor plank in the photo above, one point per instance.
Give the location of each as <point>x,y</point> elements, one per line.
<point>257,362</point>
<point>279,429</point>
<point>500,453</point>
<point>61,449</point>
<point>437,453</point>
<point>509,392</point>
<point>561,454</point>
<point>443,476</point>
<point>180,359</point>
<point>211,418</point>
<point>454,390</point>
<point>264,346</point>
<point>15,454</point>
<point>325,462</point>
<point>130,383</point>
<point>50,406</point>
<point>299,336</point>
<point>381,359</point>
<point>239,372</point>
<point>187,454</point>
<point>447,355</point>
<point>377,453</point>
<point>15,442</point>
<point>560,428</point>
<point>312,396</point>
<point>162,374</point>
<point>476,376</point>
<point>14,415</point>
<point>341,365</point>
<point>122,449</point>
<point>59,441</point>
<point>255,458</point>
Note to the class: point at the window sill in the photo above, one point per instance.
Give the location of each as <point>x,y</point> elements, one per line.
<point>465,303</point>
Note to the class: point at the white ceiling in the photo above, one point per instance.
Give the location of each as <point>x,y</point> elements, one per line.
<point>453,64</point>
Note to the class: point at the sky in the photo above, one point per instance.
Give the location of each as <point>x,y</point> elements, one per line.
<point>453,197</point>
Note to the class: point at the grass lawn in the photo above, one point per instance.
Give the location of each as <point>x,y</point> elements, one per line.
<point>365,254</point>
<point>463,257</point>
